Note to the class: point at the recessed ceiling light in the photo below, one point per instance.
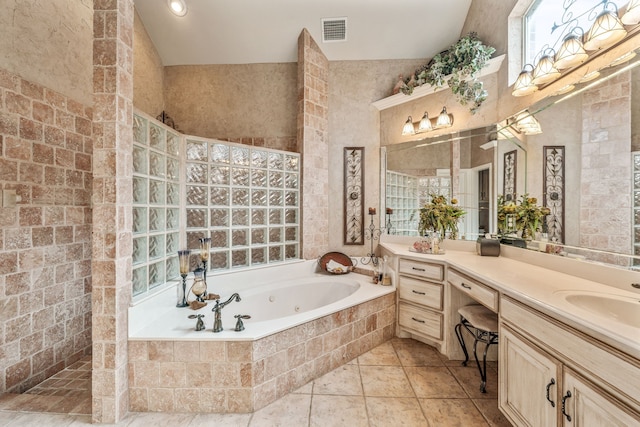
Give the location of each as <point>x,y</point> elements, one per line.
<point>178,7</point>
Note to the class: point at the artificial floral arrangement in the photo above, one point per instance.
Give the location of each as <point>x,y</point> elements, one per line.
<point>457,67</point>
<point>528,215</point>
<point>440,216</point>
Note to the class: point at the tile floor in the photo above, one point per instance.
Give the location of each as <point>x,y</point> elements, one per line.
<point>401,382</point>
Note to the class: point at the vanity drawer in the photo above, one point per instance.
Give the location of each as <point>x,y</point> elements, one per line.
<point>423,293</point>
<point>421,321</point>
<point>422,269</point>
<point>479,292</point>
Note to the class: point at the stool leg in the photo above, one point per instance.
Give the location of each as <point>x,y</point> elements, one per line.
<point>483,368</point>
<point>458,330</point>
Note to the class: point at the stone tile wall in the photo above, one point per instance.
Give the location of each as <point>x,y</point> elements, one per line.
<point>605,203</point>
<point>45,239</point>
<point>112,205</point>
<point>313,144</point>
<point>243,376</point>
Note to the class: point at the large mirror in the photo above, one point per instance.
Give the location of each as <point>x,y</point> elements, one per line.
<point>460,166</point>
<point>583,164</point>
<point>577,154</point>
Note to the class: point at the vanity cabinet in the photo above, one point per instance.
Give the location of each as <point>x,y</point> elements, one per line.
<point>421,300</point>
<point>543,371</point>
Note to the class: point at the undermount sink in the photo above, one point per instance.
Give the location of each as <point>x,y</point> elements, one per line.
<point>621,308</point>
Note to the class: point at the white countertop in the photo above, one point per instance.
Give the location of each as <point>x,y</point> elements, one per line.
<point>540,288</point>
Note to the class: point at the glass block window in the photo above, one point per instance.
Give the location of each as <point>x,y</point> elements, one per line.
<point>184,188</point>
<point>156,204</point>
<point>246,199</point>
<point>402,196</point>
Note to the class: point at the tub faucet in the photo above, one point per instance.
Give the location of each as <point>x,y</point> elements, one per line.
<point>217,309</point>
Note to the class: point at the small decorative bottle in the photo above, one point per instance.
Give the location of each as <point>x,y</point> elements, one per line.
<point>435,243</point>
<point>199,287</point>
<point>386,278</point>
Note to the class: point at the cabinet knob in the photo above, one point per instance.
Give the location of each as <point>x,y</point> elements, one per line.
<point>552,382</point>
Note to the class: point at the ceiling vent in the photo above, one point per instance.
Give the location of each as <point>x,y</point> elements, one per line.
<point>334,30</point>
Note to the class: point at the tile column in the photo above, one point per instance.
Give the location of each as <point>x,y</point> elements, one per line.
<point>112,200</point>
<point>313,144</point>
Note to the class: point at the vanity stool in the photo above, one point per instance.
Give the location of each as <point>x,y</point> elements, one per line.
<point>482,324</point>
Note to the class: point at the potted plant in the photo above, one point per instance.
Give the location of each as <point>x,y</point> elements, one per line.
<point>457,67</point>
<point>440,216</point>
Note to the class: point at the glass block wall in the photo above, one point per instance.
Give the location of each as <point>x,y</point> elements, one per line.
<point>246,199</point>
<point>156,204</point>
<point>402,196</point>
<point>185,188</point>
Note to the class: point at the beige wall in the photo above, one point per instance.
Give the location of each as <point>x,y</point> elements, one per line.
<point>46,148</point>
<point>49,43</point>
<point>148,72</point>
<point>233,101</point>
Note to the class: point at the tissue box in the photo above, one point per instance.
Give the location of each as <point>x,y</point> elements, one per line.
<point>487,247</point>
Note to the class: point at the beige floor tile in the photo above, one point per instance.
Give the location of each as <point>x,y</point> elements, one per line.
<point>394,411</point>
<point>337,411</point>
<point>344,380</point>
<point>434,382</point>
<point>469,379</point>
<point>290,410</point>
<point>382,355</point>
<point>157,419</point>
<point>414,353</point>
<point>40,420</point>
<point>226,420</point>
<point>489,409</point>
<point>452,412</point>
<point>385,381</point>
<point>305,389</point>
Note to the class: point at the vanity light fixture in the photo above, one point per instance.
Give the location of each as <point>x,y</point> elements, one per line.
<point>408,128</point>
<point>425,123</point>
<point>624,58</point>
<point>524,83</point>
<point>632,14</point>
<point>589,76</point>
<point>177,7</point>
<point>545,71</point>
<point>564,89</point>
<point>606,30</point>
<point>445,120</point>
<point>571,52</point>
<point>525,123</point>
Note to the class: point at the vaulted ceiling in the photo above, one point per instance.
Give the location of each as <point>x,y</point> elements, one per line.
<point>266,31</point>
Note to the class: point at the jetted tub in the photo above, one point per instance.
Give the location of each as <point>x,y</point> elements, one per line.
<point>276,297</point>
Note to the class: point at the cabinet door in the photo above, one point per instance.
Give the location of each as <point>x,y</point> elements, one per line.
<point>585,405</point>
<point>528,379</point>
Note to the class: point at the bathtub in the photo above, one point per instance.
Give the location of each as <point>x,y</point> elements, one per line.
<point>276,297</point>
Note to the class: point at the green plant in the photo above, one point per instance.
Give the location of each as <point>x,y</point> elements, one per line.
<point>457,67</point>
<point>528,214</point>
<point>441,216</point>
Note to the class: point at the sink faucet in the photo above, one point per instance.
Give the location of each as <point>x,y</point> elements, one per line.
<point>217,309</point>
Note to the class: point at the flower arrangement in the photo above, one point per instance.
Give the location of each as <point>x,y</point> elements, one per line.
<point>441,216</point>
<point>457,67</point>
<point>528,215</point>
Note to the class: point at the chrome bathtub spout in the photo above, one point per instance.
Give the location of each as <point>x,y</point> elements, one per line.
<point>217,309</point>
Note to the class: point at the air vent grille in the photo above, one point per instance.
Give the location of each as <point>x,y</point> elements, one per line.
<point>334,30</point>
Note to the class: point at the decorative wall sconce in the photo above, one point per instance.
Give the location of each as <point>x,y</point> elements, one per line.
<point>177,7</point>
<point>372,234</point>
<point>444,120</point>
<point>606,30</point>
